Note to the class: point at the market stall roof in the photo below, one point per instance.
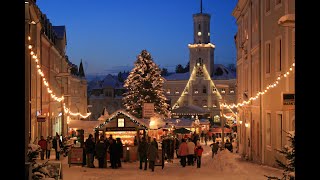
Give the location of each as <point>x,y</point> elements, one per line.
<point>134,119</point>
<point>182,131</point>
<point>185,122</point>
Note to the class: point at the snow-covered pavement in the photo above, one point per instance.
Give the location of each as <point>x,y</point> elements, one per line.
<point>225,165</point>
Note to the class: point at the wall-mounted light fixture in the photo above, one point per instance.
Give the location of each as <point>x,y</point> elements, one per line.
<point>246,124</point>
<point>240,122</point>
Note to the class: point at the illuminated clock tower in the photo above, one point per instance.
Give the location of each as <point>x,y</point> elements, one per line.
<point>201,51</point>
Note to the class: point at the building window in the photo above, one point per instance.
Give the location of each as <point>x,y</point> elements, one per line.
<point>204,90</point>
<point>268,57</point>
<point>223,90</point>
<point>196,91</point>
<point>268,129</point>
<point>231,91</point>
<point>168,91</point>
<point>279,129</point>
<point>214,90</point>
<point>120,122</point>
<point>268,5</point>
<point>177,92</point>
<point>278,55</point>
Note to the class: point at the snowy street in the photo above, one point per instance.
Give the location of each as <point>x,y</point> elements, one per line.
<point>225,165</point>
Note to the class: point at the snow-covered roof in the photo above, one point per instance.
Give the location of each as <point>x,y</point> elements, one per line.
<point>220,72</point>
<point>185,122</point>
<point>226,73</point>
<point>143,122</point>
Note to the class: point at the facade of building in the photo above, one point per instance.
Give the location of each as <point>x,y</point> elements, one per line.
<point>265,63</point>
<point>48,78</point>
<point>206,85</point>
<point>105,94</point>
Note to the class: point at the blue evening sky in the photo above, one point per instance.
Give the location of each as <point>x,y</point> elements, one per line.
<point>109,34</point>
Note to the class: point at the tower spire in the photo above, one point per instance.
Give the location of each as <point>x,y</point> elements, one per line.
<point>201,6</point>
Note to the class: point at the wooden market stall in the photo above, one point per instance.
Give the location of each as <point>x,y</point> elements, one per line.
<point>128,128</point>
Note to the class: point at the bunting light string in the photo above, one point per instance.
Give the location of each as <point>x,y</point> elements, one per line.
<point>45,82</point>
<point>272,85</point>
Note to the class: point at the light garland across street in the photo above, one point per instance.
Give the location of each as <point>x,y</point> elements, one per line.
<point>49,90</point>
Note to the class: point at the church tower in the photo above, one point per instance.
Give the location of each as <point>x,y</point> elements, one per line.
<point>201,51</point>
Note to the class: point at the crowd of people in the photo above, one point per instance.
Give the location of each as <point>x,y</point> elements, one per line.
<point>187,149</point>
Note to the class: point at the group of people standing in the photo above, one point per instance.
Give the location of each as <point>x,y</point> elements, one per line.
<point>189,152</point>
<point>148,151</point>
<point>100,149</point>
<point>47,145</point>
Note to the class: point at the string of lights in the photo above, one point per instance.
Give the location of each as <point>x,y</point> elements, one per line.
<point>45,82</point>
<point>272,85</point>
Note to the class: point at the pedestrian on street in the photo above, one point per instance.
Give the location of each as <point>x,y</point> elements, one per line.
<point>101,150</point>
<point>152,156</point>
<point>142,150</point>
<point>43,144</point>
<point>49,147</point>
<point>57,145</point>
<point>183,152</point>
<point>198,152</point>
<point>214,147</point>
<point>90,150</point>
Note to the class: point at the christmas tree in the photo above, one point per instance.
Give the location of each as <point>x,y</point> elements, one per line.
<point>145,85</point>
<point>289,153</point>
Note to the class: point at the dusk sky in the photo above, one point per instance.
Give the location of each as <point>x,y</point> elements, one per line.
<point>108,35</point>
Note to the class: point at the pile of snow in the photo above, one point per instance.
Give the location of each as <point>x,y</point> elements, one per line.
<point>224,161</point>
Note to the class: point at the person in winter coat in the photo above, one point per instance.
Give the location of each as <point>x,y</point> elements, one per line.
<point>214,147</point>
<point>43,144</point>
<point>101,150</point>
<point>119,147</point>
<point>114,153</point>
<point>154,143</point>
<point>90,148</point>
<point>57,145</point>
<point>142,150</point>
<point>190,156</point>
<point>228,145</point>
<point>152,155</point>
<point>198,152</point>
<point>183,152</point>
<point>49,147</point>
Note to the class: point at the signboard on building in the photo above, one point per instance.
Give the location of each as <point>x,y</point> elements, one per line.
<point>148,110</point>
<point>288,99</point>
<point>41,118</point>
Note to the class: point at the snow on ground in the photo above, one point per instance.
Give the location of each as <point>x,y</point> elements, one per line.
<point>224,166</point>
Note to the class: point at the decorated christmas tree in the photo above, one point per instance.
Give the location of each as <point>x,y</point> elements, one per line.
<point>145,85</point>
<point>288,165</point>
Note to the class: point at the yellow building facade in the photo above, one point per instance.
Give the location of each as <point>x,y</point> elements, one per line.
<point>265,73</point>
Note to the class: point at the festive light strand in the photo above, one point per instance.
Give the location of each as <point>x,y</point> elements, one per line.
<point>45,82</point>
<point>272,85</point>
